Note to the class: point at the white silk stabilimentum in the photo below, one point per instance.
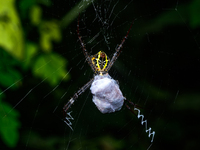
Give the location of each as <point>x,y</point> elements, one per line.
<point>106,94</point>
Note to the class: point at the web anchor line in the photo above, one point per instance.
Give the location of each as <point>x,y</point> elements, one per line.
<point>67,120</point>
<point>145,121</point>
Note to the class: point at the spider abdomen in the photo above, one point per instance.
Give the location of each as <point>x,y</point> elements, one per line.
<point>106,94</point>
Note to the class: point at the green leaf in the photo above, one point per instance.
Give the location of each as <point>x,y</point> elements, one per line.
<point>74,12</point>
<point>35,15</point>
<point>51,67</point>
<point>49,32</point>
<point>194,13</point>
<point>9,75</point>
<point>11,37</point>
<point>6,60</point>
<point>9,124</point>
<point>25,6</point>
<point>1,95</point>
<point>7,78</point>
<point>30,51</point>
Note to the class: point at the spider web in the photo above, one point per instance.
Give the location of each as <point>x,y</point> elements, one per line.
<point>157,70</point>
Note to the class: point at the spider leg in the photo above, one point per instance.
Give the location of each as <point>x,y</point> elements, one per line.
<point>132,104</point>
<point>87,56</point>
<point>118,50</point>
<point>79,92</point>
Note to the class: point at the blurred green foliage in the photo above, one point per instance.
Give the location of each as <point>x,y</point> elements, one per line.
<point>10,78</point>
<point>18,51</point>
<point>11,38</point>
<point>27,44</point>
<point>9,75</point>
<point>194,13</point>
<point>46,66</point>
<point>9,124</point>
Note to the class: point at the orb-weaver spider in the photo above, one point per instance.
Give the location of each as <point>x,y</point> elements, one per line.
<point>106,93</point>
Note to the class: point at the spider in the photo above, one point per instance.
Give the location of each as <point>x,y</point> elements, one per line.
<point>106,93</point>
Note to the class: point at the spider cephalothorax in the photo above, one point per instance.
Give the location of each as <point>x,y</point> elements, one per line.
<point>100,61</point>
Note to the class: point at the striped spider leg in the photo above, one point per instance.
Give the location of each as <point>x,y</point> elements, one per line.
<point>118,50</point>
<point>79,92</point>
<point>85,52</point>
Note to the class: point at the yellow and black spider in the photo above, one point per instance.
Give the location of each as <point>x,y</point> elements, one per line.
<point>106,93</point>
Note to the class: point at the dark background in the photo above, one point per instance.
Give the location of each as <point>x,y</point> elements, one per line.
<point>158,70</point>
